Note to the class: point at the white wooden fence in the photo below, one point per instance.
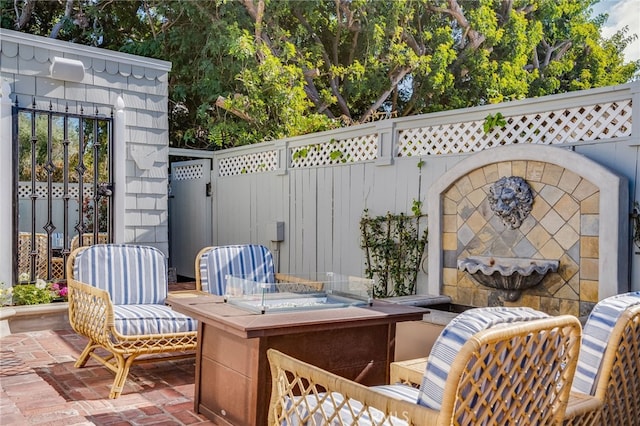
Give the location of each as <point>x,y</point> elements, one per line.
<point>319,185</point>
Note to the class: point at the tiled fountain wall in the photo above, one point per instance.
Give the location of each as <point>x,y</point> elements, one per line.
<point>563,225</point>
<point>575,218</point>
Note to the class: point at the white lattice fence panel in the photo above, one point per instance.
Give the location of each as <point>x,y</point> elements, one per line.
<point>187,172</point>
<point>571,125</point>
<point>342,151</point>
<point>248,163</point>
<point>24,190</point>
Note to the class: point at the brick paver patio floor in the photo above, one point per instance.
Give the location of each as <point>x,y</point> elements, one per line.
<point>40,386</point>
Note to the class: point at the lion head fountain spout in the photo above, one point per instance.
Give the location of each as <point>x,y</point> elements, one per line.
<point>510,275</point>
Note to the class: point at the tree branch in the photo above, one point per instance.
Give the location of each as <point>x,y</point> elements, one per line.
<point>505,11</point>
<point>23,17</point>
<point>336,39</point>
<point>535,62</point>
<point>393,84</point>
<point>312,93</point>
<point>562,49</point>
<point>342,104</point>
<point>259,20</point>
<point>68,8</point>
<point>146,9</point>
<point>257,14</point>
<point>551,53</point>
<point>454,9</point>
<point>412,43</point>
<point>221,102</point>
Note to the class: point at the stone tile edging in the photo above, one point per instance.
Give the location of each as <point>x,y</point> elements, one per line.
<point>19,319</point>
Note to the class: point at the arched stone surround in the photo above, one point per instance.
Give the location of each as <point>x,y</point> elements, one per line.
<point>579,217</point>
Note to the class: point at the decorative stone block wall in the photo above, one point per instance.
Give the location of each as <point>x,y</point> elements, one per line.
<point>563,225</point>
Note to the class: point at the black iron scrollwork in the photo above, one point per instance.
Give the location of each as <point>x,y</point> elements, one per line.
<point>105,189</point>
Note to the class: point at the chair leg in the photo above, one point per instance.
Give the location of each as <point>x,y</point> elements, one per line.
<point>86,353</point>
<point>124,364</point>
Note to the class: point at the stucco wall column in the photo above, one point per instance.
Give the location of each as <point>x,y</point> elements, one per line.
<point>119,171</point>
<point>6,180</point>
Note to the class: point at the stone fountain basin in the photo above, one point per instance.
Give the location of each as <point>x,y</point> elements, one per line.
<point>510,274</point>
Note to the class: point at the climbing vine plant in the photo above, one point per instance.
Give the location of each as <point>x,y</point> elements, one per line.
<point>394,246</point>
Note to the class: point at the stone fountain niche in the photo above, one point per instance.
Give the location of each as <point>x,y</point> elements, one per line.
<point>528,225</point>
<point>511,199</point>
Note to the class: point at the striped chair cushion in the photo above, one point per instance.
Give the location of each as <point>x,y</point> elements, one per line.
<point>249,261</point>
<point>135,320</point>
<point>352,413</point>
<point>398,391</point>
<point>595,337</point>
<point>453,337</point>
<point>131,274</point>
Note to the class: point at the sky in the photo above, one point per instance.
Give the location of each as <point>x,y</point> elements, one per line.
<point>621,13</point>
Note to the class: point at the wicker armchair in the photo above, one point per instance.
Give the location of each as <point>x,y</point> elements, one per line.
<point>609,362</point>
<point>117,300</point>
<point>517,369</point>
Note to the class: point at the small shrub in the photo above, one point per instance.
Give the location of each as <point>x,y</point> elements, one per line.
<point>32,294</point>
<point>39,292</point>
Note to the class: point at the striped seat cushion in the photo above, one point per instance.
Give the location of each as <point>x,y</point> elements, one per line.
<point>595,337</point>
<point>351,413</point>
<point>398,391</point>
<point>453,337</point>
<point>248,261</point>
<point>133,320</point>
<point>131,274</point>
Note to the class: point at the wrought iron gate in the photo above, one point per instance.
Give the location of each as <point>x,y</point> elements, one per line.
<point>63,185</point>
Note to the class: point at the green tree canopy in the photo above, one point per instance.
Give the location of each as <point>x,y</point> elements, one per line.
<point>251,70</point>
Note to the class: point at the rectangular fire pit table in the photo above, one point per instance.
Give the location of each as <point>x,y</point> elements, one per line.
<point>233,380</point>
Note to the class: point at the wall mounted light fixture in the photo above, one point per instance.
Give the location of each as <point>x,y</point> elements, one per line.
<point>67,69</point>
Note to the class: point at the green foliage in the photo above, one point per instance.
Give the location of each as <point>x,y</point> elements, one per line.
<point>416,208</point>
<point>240,76</point>
<point>300,153</point>
<point>105,24</point>
<point>335,155</point>
<point>36,293</point>
<point>394,248</point>
<point>492,121</point>
<point>42,122</point>
<point>31,294</point>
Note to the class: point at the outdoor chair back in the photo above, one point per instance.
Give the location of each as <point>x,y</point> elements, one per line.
<point>250,261</point>
<point>609,362</point>
<point>117,300</point>
<point>57,263</point>
<point>489,366</point>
